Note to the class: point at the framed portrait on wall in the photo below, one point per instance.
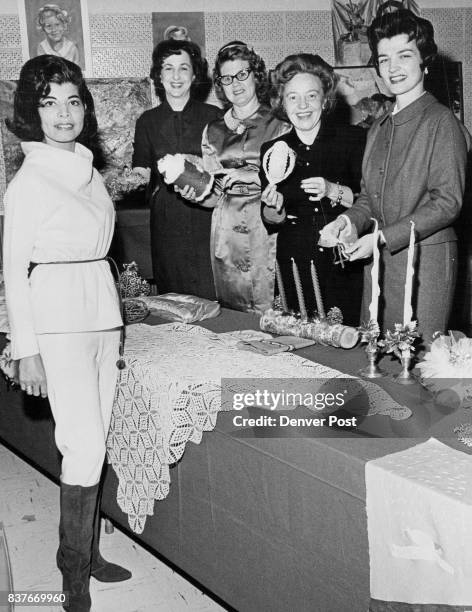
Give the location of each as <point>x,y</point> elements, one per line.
<point>59,28</point>
<point>179,26</point>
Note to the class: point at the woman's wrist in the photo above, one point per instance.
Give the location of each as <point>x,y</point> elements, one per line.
<point>339,194</point>
<point>332,191</point>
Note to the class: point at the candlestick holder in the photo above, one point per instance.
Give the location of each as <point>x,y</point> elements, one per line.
<point>405,377</point>
<point>369,334</point>
<point>400,343</point>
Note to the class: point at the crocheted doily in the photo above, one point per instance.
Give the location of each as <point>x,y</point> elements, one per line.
<point>170,393</point>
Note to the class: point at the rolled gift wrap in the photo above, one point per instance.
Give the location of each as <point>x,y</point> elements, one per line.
<point>322,332</point>
<point>177,170</point>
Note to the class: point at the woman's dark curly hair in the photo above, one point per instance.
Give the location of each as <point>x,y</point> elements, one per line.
<point>301,63</point>
<point>238,50</point>
<point>34,83</point>
<point>403,21</point>
<point>201,84</point>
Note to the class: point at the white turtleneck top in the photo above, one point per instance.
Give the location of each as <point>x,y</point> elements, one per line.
<point>57,209</point>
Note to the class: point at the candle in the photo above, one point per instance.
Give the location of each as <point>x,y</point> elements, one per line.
<point>299,289</point>
<point>374,302</point>
<point>410,271</point>
<point>280,285</point>
<point>317,290</point>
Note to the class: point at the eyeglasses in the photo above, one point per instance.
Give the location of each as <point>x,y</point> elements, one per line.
<point>227,79</point>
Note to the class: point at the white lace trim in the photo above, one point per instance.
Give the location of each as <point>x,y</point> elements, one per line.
<point>170,393</point>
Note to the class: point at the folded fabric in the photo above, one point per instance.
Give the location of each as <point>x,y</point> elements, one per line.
<point>419,517</point>
<point>181,307</point>
<point>272,346</point>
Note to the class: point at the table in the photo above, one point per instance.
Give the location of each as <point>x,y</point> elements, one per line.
<point>265,524</point>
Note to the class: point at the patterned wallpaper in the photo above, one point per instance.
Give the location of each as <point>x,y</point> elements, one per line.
<point>122,43</point>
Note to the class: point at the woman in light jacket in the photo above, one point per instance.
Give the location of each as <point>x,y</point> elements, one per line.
<point>61,299</point>
<point>242,252</point>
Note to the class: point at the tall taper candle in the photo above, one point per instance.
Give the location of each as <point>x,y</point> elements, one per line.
<point>280,285</point>
<point>317,290</point>
<point>298,287</point>
<point>410,271</point>
<point>374,302</point>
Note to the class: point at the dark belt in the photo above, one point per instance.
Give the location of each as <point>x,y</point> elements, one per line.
<point>120,364</point>
<point>34,264</point>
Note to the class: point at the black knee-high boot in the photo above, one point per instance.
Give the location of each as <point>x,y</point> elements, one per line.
<point>103,570</point>
<point>78,505</point>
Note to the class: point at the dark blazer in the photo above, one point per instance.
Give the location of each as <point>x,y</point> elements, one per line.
<point>336,155</point>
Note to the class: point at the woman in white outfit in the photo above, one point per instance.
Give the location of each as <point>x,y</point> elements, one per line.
<point>62,303</point>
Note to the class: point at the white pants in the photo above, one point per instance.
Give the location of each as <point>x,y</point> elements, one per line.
<point>81,375</point>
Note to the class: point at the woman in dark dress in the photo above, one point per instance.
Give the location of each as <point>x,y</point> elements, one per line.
<point>323,183</point>
<point>180,230</point>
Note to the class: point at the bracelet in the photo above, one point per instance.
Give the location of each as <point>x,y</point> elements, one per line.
<point>339,198</point>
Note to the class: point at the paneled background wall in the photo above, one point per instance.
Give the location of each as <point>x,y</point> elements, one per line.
<point>122,42</point>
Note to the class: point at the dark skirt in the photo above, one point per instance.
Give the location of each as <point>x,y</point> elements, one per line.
<point>180,245</point>
<point>341,287</point>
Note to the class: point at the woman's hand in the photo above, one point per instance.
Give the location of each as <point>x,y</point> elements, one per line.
<point>318,186</point>
<point>31,375</point>
<point>272,198</point>
<point>362,248</point>
<point>247,176</point>
<point>187,192</point>
<point>331,234</point>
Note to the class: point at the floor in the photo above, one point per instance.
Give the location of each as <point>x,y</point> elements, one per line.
<point>29,513</point>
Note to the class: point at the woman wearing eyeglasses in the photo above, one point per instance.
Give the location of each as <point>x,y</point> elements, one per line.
<point>242,252</point>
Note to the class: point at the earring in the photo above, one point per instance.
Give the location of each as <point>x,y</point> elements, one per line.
<point>426,71</point>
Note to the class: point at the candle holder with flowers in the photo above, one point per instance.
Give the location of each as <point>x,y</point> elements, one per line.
<point>370,330</point>
<point>400,343</point>
<point>400,340</point>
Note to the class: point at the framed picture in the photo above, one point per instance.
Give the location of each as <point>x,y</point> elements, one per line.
<point>59,29</point>
<point>364,93</point>
<point>180,26</point>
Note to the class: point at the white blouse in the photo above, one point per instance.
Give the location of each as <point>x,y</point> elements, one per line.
<point>57,209</point>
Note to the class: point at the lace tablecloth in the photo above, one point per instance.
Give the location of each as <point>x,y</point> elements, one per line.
<point>170,393</point>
